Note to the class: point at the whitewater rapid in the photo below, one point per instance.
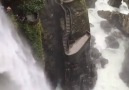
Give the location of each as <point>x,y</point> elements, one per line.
<point>108,78</point>
<point>18,69</point>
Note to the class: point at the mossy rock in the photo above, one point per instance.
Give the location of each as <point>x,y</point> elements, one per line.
<point>34,35</point>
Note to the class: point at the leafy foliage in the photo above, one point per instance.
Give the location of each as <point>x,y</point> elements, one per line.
<point>31,6</point>
<point>34,35</point>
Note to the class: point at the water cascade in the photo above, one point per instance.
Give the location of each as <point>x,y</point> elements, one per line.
<point>108,78</point>
<point>18,69</point>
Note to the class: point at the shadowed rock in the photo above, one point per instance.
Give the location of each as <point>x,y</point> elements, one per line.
<point>112,42</point>
<point>95,54</point>
<point>92,41</point>
<point>127,2</point>
<point>118,20</point>
<point>106,26</point>
<point>117,35</point>
<point>115,3</point>
<point>91,3</point>
<point>124,75</point>
<point>103,62</point>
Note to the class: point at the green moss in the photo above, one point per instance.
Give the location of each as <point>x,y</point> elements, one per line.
<point>34,35</point>
<point>33,31</point>
<point>31,6</point>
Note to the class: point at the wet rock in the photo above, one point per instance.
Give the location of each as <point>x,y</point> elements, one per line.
<point>117,35</point>
<point>104,14</point>
<point>124,75</point>
<point>81,70</point>
<point>32,18</point>
<point>103,62</point>
<point>118,20</point>
<point>92,41</point>
<point>115,3</point>
<point>106,26</point>
<point>112,42</point>
<point>91,3</point>
<point>95,54</point>
<point>127,2</point>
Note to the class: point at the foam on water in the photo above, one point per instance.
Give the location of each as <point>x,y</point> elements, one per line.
<point>17,61</point>
<point>108,77</point>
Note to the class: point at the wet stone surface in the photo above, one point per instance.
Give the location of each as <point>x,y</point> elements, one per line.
<point>112,42</point>
<point>95,54</point>
<point>106,26</point>
<point>124,75</point>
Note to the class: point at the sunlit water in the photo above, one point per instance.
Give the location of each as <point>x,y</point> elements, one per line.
<point>18,70</point>
<point>108,77</point>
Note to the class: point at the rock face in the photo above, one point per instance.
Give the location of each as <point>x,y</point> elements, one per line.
<point>117,35</point>
<point>106,26</point>
<point>125,68</point>
<point>91,3</point>
<point>127,2</point>
<point>92,41</point>
<point>103,62</point>
<point>112,42</point>
<point>75,72</point>
<point>115,3</point>
<point>81,72</point>
<point>118,20</point>
<point>52,44</point>
<point>96,56</point>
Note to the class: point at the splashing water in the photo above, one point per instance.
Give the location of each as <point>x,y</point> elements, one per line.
<point>18,70</point>
<point>108,77</point>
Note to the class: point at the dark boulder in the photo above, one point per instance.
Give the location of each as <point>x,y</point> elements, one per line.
<point>91,3</point>
<point>104,14</point>
<point>117,20</point>
<point>92,41</point>
<point>115,3</point>
<point>127,2</point>
<point>112,42</point>
<point>95,54</point>
<point>106,26</point>
<point>103,62</point>
<point>124,75</point>
<point>117,35</point>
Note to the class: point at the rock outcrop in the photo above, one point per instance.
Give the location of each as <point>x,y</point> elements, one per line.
<point>91,3</point>
<point>96,56</point>
<point>125,69</point>
<point>74,72</point>
<point>112,42</point>
<point>106,26</point>
<point>116,19</point>
<point>127,2</point>
<point>115,3</point>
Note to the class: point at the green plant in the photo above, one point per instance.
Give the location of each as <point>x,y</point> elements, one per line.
<point>31,6</point>
<point>34,36</point>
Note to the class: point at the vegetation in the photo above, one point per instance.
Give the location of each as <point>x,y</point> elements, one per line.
<point>31,6</point>
<point>32,31</point>
<point>34,35</point>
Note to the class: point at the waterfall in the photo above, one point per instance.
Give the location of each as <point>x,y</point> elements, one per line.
<point>18,69</point>
<point>108,78</point>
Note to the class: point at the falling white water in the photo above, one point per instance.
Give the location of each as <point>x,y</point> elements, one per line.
<point>108,77</point>
<point>18,70</point>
